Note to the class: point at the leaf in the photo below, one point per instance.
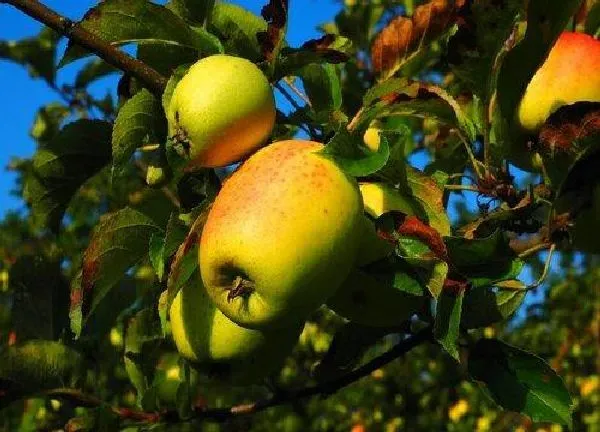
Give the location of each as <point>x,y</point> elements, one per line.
<point>592,23</point>
<point>352,156</point>
<point>401,97</point>
<point>78,152</point>
<point>48,121</point>
<point>41,298</point>
<point>119,241</point>
<point>474,50</point>
<point>185,263</point>
<point>37,54</point>
<point>323,87</point>
<point>349,344</point>
<point>446,328</point>
<point>520,381</point>
<point>238,28</point>
<point>545,22</point>
<point>490,257</point>
<point>171,84</point>
<point>329,48</point>
<point>144,328</point>
<point>92,71</point>
<point>131,21</point>
<point>163,246</point>
<point>194,12</point>
<point>403,36</point>
<point>165,58</point>
<point>271,40</point>
<point>37,366</point>
<point>140,121</point>
<point>485,306</point>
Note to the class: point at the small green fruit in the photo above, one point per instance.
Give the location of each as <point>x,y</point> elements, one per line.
<point>221,110</point>
<point>220,347</point>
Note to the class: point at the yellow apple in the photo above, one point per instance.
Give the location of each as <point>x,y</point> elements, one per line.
<point>570,74</point>
<point>222,110</point>
<point>220,347</point>
<point>281,236</point>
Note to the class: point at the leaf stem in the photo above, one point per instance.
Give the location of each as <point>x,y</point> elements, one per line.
<point>149,77</point>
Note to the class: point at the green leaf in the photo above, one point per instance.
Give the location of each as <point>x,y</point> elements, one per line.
<point>446,328</point>
<point>92,71</point>
<point>41,298</point>
<point>78,152</point>
<point>48,121</point>
<point>489,257</point>
<point>545,22</point>
<point>165,58</point>
<point>156,253</point>
<point>485,306</point>
<point>475,47</point>
<point>323,88</point>
<point>163,246</point>
<point>352,156</point>
<point>592,24</point>
<point>349,345</point>
<point>194,12</point>
<point>131,21</point>
<point>37,54</point>
<point>119,241</point>
<point>171,84</point>
<point>140,121</point>
<point>143,331</point>
<point>37,366</point>
<point>520,381</point>
<point>237,28</point>
<point>401,97</point>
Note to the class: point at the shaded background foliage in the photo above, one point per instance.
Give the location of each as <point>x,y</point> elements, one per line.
<point>82,301</point>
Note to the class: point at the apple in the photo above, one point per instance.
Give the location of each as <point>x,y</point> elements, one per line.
<point>570,74</point>
<point>282,235</point>
<point>220,347</point>
<point>222,110</point>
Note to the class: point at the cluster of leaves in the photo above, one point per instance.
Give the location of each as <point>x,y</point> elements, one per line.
<point>94,264</point>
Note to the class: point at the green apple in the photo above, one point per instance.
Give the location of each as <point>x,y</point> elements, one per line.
<point>220,347</point>
<point>222,110</point>
<point>282,235</point>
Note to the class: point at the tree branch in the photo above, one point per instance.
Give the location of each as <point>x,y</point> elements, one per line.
<point>149,77</point>
<point>280,398</point>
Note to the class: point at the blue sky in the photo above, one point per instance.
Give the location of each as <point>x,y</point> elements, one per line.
<point>22,96</point>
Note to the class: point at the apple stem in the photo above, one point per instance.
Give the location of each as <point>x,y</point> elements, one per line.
<point>240,287</point>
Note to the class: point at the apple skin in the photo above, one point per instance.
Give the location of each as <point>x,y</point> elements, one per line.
<point>570,74</point>
<point>287,223</point>
<point>221,348</point>
<point>224,108</point>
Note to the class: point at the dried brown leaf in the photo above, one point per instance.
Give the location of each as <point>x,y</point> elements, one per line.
<point>404,35</point>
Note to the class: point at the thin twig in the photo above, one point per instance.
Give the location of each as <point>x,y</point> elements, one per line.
<point>296,90</point>
<point>354,122</point>
<point>311,130</point>
<point>149,77</point>
<point>461,187</point>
